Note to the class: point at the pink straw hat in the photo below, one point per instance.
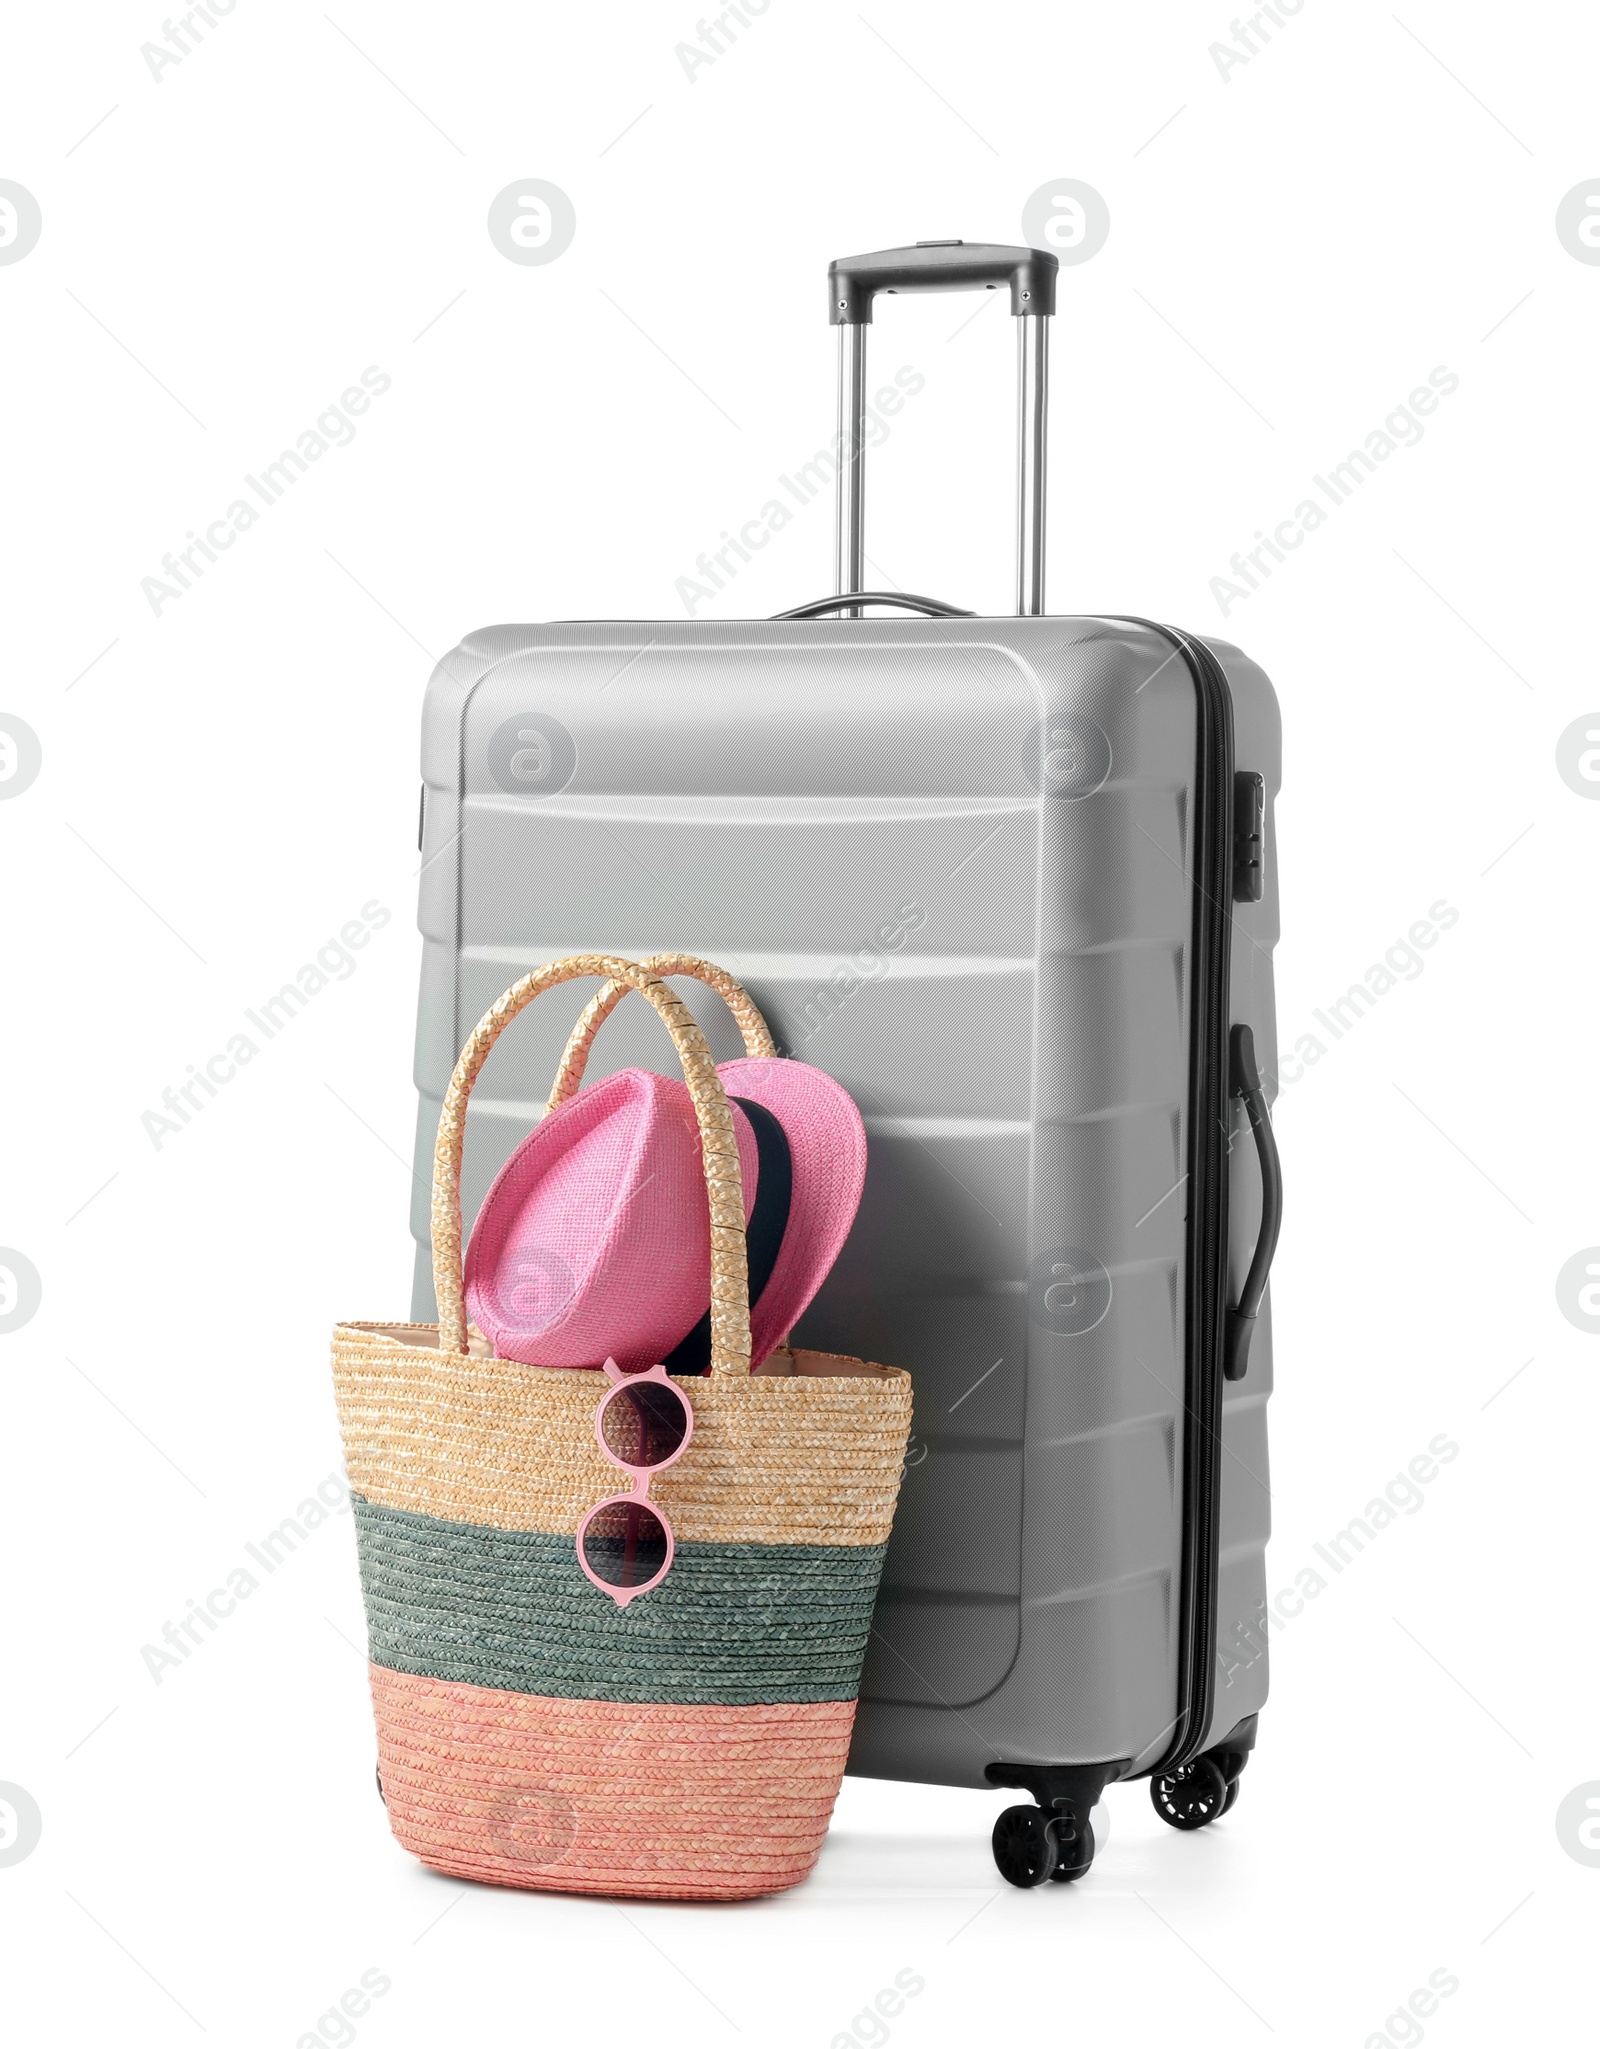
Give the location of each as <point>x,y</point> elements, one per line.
<point>594,1240</point>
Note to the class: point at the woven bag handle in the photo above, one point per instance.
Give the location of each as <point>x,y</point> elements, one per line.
<point>730,1292</point>
<point>752,1025</point>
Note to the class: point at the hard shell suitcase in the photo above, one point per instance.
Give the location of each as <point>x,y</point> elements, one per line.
<point>1012,881</point>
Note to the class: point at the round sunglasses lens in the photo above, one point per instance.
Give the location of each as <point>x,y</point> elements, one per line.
<point>625,1544</point>
<point>644,1424</point>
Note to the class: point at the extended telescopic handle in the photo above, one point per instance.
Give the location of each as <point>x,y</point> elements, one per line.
<point>853,283</point>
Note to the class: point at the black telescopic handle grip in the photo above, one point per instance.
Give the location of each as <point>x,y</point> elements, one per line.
<point>930,608</point>
<point>854,281</point>
<point>1244,1081</point>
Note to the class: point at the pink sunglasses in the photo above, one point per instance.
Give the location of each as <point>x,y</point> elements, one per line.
<point>643,1425</point>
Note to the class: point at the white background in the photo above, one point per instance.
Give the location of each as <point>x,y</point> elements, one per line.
<point>1297,247</point>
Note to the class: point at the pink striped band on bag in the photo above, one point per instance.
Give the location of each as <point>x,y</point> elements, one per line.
<point>594,1796</point>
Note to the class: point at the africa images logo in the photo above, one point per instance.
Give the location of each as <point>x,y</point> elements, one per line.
<point>532,755</point>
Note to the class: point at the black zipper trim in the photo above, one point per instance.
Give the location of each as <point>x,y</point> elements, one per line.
<point>1206,1288</point>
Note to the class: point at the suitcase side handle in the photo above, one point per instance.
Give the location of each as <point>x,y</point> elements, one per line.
<point>1245,1082</point>
<point>853,282</point>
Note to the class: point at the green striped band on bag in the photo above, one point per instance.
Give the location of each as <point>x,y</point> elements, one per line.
<point>733,1624</point>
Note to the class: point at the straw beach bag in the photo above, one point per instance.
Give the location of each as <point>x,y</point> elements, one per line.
<point>531,1730</point>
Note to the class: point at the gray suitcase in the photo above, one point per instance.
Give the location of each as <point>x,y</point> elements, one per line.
<point>1012,881</point>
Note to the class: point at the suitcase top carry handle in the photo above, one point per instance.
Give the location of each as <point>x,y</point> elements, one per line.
<point>730,1287</point>
<point>930,608</point>
<point>853,281</point>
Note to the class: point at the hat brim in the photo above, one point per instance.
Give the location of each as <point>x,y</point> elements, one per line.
<point>828,1151</point>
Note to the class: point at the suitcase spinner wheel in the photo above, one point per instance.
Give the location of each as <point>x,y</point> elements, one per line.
<point>1194,1794</point>
<point>1031,1847</point>
<point>1055,1838</point>
<point>1203,1790</point>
